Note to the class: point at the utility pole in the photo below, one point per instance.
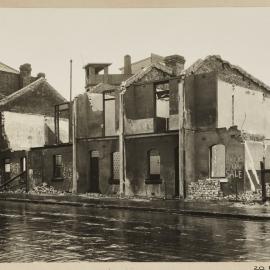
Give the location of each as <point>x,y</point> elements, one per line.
<point>121,140</point>
<point>181,114</point>
<point>70,80</point>
<point>74,147</point>
<point>73,119</point>
<point>70,102</point>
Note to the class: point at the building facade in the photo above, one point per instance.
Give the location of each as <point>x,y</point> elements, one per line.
<point>27,120</point>
<point>199,132</point>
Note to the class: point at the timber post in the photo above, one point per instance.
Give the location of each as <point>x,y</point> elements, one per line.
<point>181,115</point>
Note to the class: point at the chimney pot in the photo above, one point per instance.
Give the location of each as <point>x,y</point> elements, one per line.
<point>41,75</point>
<point>127,65</point>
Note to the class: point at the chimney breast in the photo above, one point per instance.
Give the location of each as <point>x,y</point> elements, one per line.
<point>25,75</point>
<point>176,62</point>
<point>127,65</point>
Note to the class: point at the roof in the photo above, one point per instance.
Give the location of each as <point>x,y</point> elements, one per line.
<point>199,63</point>
<point>153,57</point>
<point>136,77</point>
<point>97,66</point>
<point>6,68</point>
<point>101,87</point>
<point>30,87</point>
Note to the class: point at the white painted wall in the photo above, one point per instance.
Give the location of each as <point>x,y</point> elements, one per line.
<point>28,130</point>
<point>251,109</point>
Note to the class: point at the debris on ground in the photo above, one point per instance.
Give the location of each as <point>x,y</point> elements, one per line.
<point>45,189</point>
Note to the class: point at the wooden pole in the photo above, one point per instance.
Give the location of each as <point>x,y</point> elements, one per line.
<point>262,163</point>
<point>74,147</point>
<point>70,78</point>
<point>181,113</point>
<point>121,142</point>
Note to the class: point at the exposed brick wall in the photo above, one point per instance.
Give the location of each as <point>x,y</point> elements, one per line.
<point>208,189</point>
<point>9,83</point>
<point>227,74</point>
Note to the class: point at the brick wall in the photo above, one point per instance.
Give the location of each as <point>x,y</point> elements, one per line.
<point>208,189</point>
<point>9,83</point>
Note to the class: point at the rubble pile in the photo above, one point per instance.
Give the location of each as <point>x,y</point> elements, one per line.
<point>45,189</point>
<point>205,190</point>
<point>247,197</point>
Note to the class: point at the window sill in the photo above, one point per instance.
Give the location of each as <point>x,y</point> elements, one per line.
<point>114,181</point>
<point>153,181</point>
<point>56,179</point>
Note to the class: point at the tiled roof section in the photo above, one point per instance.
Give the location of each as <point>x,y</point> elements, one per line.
<point>143,72</point>
<point>30,87</point>
<point>199,63</point>
<point>101,87</point>
<point>6,68</point>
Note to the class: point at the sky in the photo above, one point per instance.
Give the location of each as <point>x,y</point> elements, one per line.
<point>49,38</point>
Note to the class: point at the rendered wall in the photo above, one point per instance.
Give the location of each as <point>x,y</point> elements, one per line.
<point>23,131</point>
<point>251,109</point>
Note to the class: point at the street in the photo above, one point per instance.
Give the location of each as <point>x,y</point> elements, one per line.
<point>51,233</point>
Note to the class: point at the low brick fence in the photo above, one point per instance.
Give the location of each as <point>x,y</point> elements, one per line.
<point>208,189</point>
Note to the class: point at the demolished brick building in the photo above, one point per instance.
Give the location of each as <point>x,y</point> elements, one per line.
<point>199,132</point>
<point>27,120</point>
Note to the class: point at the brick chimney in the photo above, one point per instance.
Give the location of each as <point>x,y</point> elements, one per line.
<point>176,62</point>
<point>25,75</point>
<point>127,65</point>
<point>41,75</point>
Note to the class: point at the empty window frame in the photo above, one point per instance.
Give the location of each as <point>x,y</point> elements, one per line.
<point>116,165</point>
<point>62,123</point>
<point>154,164</point>
<point>7,167</point>
<point>58,166</point>
<point>109,113</point>
<point>217,161</point>
<point>23,164</point>
<point>162,100</point>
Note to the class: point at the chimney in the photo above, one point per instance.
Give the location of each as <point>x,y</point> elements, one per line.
<point>25,75</point>
<point>176,62</point>
<point>41,75</point>
<point>127,65</point>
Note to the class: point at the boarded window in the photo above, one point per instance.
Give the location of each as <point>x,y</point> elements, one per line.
<point>109,114</point>
<point>116,165</point>
<point>217,160</point>
<point>7,165</point>
<point>58,166</point>
<point>162,100</point>
<point>154,164</point>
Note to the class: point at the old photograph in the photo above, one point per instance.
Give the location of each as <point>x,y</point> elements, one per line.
<point>134,135</point>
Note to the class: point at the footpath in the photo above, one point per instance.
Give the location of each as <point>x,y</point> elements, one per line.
<point>221,209</point>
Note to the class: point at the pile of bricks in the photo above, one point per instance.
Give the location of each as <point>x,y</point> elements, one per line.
<point>250,196</point>
<point>44,189</point>
<point>208,189</point>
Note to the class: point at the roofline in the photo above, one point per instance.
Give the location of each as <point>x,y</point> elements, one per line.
<point>89,64</point>
<point>151,56</point>
<point>15,70</point>
<point>237,68</point>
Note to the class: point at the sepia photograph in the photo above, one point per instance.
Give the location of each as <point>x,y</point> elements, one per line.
<point>135,135</point>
